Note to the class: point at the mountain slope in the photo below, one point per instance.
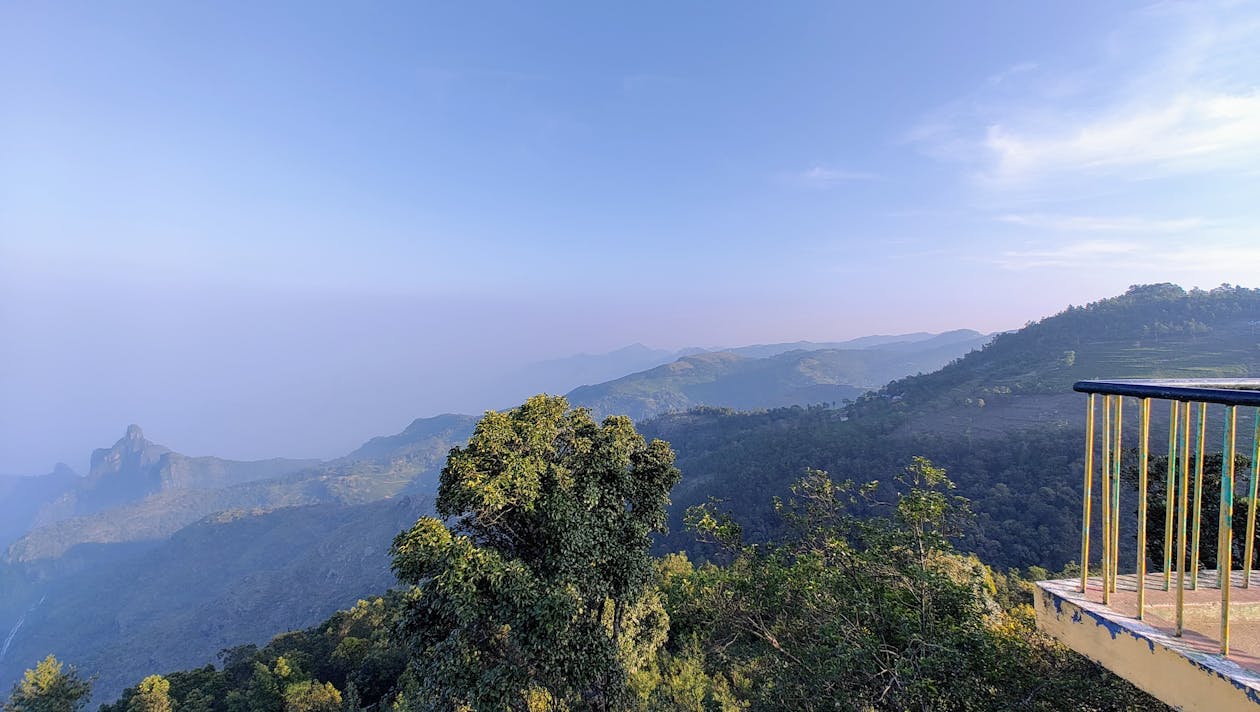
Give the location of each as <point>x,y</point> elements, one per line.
<point>798,377</point>
<point>1024,378</point>
<point>21,498</point>
<point>227,580</point>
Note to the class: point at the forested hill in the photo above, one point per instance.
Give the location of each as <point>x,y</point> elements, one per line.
<point>1024,378</point>
<point>1003,421</point>
<point>745,379</point>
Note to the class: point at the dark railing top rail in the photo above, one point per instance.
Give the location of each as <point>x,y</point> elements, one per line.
<point>1226,391</point>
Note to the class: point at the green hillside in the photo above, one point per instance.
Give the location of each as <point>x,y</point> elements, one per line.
<point>1024,378</point>
<point>1003,420</point>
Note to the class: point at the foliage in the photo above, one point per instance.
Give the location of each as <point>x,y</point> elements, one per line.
<point>49,687</point>
<point>538,593</point>
<point>843,611</point>
<point>152,695</point>
<point>877,612</point>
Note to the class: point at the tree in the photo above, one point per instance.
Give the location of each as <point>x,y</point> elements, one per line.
<point>49,687</point>
<point>312,696</point>
<point>537,594</point>
<point>871,612</point>
<point>152,695</point>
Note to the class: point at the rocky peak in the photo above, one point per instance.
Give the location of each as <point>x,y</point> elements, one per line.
<point>131,455</point>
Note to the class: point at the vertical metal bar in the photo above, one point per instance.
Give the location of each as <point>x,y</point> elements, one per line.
<point>1106,500</point>
<point>1251,505</point>
<point>1198,496</point>
<point>1089,481</point>
<point>1170,485</point>
<point>1183,494</point>
<point>1224,553</point>
<point>1141,526</point>
<point>1115,490</point>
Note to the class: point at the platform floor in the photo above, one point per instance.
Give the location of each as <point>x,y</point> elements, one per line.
<point>1201,611</point>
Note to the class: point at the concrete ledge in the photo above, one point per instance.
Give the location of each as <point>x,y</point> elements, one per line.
<point>1180,671</point>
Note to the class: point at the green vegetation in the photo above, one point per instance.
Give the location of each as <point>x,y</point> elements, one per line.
<point>542,597</point>
<point>538,595</point>
<point>49,687</point>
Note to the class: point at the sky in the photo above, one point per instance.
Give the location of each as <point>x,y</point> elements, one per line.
<point>269,229</point>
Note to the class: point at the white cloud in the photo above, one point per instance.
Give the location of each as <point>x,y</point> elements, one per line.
<point>1012,71</point>
<point>1095,223</point>
<point>819,177</point>
<point>1131,256</point>
<point>1174,91</point>
<point>1067,255</point>
<point>1190,132</point>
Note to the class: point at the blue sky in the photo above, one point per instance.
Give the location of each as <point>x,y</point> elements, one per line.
<point>266,229</point>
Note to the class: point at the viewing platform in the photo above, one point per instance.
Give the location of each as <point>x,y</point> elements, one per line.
<point>1190,633</point>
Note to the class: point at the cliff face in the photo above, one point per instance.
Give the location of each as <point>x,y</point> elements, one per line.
<point>135,468</point>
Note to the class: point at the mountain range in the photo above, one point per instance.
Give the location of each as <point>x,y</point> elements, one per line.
<point>265,534</point>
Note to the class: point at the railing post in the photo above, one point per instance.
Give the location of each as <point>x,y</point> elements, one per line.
<point>1249,546</point>
<point>1198,496</point>
<point>1224,553</point>
<point>1183,493</point>
<point>1089,481</point>
<point>1116,431</point>
<point>1141,526</point>
<point>1170,484</point>
<point>1106,500</point>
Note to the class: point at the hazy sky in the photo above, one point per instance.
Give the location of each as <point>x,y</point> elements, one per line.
<point>264,229</point>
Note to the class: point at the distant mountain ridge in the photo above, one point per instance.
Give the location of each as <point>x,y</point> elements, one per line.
<point>745,379</point>
<point>158,491</point>
<point>135,468</point>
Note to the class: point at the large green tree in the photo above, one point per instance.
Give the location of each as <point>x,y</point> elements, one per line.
<point>538,595</point>
<point>49,687</point>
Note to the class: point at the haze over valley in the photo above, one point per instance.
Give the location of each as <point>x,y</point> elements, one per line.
<point>571,357</point>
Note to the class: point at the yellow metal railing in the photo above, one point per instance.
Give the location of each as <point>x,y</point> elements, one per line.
<point>1183,483</point>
